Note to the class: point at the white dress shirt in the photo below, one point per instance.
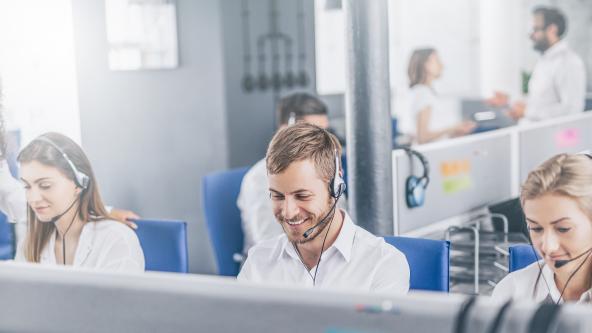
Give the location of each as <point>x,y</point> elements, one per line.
<point>103,245</point>
<point>520,285</point>
<point>357,260</point>
<point>12,200</point>
<point>255,205</point>
<point>557,86</point>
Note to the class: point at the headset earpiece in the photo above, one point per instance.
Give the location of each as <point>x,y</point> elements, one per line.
<point>81,179</point>
<point>415,187</point>
<point>337,185</point>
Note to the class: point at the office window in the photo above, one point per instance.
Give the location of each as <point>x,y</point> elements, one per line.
<point>452,27</point>
<point>37,67</point>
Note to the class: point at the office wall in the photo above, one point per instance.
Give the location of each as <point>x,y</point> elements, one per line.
<point>152,135</point>
<point>251,116</point>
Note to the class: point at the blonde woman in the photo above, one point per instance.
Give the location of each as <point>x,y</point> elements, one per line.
<point>67,221</point>
<point>557,203</point>
<point>424,68</point>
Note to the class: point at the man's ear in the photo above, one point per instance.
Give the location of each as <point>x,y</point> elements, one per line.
<point>552,31</point>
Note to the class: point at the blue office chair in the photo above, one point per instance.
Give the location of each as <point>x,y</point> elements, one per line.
<point>6,239</point>
<point>164,244</point>
<point>220,192</point>
<point>429,262</point>
<point>521,256</point>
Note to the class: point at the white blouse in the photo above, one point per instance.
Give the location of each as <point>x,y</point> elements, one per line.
<point>103,245</point>
<point>12,199</point>
<point>520,285</point>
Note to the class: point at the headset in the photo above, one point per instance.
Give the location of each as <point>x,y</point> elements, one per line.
<point>81,179</point>
<point>336,188</point>
<point>415,187</point>
<point>559,263</point>
<point>337,184</point>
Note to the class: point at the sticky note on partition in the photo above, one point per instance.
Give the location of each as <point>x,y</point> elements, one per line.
<point>457,184</point>
<point>567,138</point>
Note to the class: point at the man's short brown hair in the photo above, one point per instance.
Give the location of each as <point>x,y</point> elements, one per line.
<point>300,142</point>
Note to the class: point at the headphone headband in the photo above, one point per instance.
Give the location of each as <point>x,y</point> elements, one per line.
<point>81,179</point>
<point>415,187</point>
<point>424,163</point>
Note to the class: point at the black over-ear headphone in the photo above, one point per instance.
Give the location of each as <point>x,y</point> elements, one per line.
<point>415,187</point>
<point>81,179</point>
<point>337,184</point>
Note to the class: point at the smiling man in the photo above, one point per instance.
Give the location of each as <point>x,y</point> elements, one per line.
<point>321,246</point>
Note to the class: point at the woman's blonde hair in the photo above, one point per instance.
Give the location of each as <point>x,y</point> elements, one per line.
<point>90,206</point>
<point>569,175</point>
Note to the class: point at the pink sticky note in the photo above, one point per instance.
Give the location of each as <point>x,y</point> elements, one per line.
<point>569,137</point>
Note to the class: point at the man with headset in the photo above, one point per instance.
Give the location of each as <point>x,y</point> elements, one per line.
<point>258,223</point>
<point>320,246</point>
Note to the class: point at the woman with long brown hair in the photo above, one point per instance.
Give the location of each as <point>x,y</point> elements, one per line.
<point>557,203</point>
<point>67,221</point>
<point>424,68</point>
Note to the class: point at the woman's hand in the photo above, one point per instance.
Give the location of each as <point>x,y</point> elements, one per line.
<point>125,216</point>
<point>464,128</point>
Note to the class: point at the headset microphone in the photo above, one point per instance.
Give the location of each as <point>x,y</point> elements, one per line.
<point>309,231</point>
<point>561,263</point>
<point>57,217</point>
<point>336,188</point>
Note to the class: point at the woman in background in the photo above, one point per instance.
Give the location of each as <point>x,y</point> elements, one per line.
<point>424,68</point>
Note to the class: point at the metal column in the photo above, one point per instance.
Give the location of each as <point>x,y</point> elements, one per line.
<point>368,119</point>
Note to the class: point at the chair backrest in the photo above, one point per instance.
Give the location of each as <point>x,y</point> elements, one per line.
<point>6,239</point>
<point>220,192</point>
<point>521,256</point>
<point>164,243</point>
<point>429,262</point>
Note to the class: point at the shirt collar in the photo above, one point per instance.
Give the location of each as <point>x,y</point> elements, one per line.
<point>549,279</point>
<point>344,242</point>
<point>556,48</point>
<point>555,294</point>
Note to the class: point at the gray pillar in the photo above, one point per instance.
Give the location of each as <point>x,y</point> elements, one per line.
<point>367,109</point>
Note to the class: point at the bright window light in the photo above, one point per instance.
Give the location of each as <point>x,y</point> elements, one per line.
<point>37,68</point>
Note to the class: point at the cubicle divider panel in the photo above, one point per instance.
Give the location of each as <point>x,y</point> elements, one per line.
<point>540,142</point>
<point>167,302</point>
<point>465,174</point>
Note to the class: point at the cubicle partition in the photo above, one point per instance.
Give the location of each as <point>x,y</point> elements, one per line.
<point>465,174</point>
<point>476,171</point>
<point>539,142</point>
<point>43,299</point>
